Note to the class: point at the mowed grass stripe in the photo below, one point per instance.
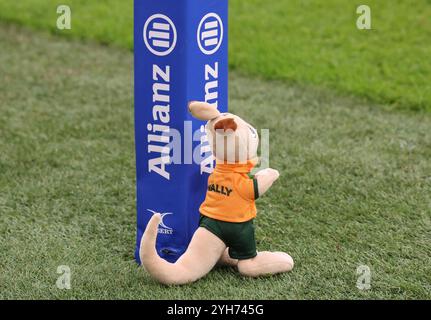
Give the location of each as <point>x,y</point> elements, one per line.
<point>305,42</point>
<point>354,189</point>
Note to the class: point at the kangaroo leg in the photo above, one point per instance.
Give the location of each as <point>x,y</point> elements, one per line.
<point>202,254</point>
<point>226,261</point>
<point>266,263</point>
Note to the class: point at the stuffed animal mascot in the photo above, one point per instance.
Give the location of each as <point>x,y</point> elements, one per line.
<point>226,232</point>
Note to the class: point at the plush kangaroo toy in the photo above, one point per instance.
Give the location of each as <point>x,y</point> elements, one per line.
<point>226,232</point>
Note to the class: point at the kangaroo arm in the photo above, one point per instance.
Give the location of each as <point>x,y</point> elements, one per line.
<point>265,178</point>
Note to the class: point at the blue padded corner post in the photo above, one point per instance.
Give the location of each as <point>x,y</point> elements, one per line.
<point>181,54</point>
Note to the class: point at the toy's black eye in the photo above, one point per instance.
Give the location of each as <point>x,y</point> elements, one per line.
<point>253,132</point>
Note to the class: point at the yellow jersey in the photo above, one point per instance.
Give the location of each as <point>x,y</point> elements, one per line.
<point>231,193</point>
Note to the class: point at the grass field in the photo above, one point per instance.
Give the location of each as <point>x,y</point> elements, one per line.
<point>300,41</point>
<point>354,189</point>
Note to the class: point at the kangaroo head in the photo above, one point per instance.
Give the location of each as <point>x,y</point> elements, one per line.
<point>232,140</point>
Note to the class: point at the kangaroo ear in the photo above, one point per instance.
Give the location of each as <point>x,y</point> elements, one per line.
<point>203,111</point>
<point>226,124</point>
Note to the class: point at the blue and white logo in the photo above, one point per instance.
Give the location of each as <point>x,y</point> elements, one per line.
<point>160,35</point>
<point>210,33</point>
<point>163,228</point>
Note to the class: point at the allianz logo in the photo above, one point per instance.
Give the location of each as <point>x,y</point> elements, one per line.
<point>210,33</point>
<point>160,35</point>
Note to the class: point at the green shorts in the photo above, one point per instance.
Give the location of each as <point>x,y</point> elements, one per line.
<point>238,237</point>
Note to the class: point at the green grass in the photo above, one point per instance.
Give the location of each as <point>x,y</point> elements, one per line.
<point>301,41</point>
<point>354,189</point>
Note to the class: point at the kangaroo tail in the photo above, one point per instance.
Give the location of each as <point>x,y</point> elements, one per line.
<point>202,254</point>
